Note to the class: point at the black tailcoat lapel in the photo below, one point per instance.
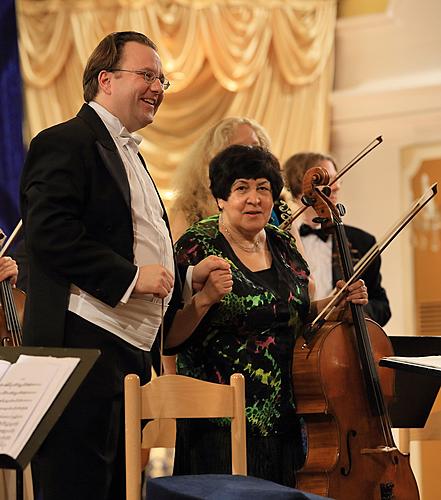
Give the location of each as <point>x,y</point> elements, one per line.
<point>107,150</point>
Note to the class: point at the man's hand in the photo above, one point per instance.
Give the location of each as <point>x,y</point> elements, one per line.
<point>8,269</point>
<point>202,270</point>
<point>154,279</point>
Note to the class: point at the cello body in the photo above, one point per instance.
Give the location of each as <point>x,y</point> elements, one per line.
<point>348,456</point>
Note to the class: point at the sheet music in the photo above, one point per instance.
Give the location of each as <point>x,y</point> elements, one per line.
<point>27,389</point>
<point>4,365</point>
<point>426,361</point>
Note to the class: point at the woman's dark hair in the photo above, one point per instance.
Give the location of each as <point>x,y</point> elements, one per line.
<point>243,162</point>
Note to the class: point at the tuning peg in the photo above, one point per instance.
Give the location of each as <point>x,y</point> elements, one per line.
<point>341,209</point>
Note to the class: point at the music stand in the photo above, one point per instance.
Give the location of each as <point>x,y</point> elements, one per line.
<point>411,367</point>
<point>415,387</point>
<point>87,360</point>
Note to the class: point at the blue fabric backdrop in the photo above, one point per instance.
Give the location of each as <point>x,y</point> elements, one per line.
<point>11,113</point>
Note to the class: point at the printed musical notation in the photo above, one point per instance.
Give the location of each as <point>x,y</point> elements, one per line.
<point>27,389</point>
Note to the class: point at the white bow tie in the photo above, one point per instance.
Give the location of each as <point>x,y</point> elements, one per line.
<point>126,138</point>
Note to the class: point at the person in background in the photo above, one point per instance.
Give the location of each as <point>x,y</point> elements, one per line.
<point>320,248</point>
<point>246,320</point>
<point>194,200</point>
<point>101,262</point>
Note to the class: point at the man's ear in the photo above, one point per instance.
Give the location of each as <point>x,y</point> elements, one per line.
<point>220,204</point>
<point>105,81</point>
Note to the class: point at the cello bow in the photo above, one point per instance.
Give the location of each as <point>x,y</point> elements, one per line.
<point>374,252</point>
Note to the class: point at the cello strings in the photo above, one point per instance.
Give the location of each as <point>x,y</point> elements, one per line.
<point>11,317</point>
<point>383,413</point>
<point>12,321</point>
<point>365,351</point>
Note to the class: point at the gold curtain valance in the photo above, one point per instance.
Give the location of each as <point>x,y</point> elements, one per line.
<point>266,59</point>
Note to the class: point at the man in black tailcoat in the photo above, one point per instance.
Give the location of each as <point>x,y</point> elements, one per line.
<point>101,261</point>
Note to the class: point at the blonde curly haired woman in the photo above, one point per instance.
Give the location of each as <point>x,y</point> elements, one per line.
<point>194,200</point>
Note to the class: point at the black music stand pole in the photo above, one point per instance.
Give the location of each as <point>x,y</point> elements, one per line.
<point>19,484</point>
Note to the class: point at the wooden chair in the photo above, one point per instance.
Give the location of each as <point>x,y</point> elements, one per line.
<point>174,396</point>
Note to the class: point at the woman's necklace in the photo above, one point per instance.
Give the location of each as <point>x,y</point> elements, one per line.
<point>255,246</point>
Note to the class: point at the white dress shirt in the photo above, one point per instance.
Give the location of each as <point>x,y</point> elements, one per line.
<point>319,257</point>
<point>137,317</point>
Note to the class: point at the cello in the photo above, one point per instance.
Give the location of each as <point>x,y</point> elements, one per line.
<point>342,395</point>
<point>12,301</point>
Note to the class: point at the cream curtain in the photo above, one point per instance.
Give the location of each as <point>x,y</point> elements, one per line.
<point>271,60</point>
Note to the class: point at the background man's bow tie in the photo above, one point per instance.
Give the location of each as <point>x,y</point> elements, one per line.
<point>321,233</point>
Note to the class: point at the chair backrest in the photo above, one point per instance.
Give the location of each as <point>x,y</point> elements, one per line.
<point>175,396</point>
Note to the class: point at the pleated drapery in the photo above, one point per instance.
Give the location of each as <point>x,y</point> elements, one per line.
<point>271,60</point>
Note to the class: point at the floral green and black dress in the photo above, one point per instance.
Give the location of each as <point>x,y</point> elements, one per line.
<point>251,331</point>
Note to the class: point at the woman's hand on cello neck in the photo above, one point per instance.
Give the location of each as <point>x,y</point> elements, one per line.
<point>355,293</point>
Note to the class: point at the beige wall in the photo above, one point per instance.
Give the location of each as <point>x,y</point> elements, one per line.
<point>388,82</point>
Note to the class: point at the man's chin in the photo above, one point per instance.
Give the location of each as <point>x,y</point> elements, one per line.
<point>147,120</point>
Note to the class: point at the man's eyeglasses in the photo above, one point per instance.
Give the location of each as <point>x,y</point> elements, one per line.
<point>149,76</point>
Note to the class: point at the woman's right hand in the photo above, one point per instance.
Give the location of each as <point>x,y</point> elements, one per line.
<point>218,283</point>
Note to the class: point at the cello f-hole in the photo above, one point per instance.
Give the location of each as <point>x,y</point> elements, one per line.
<point>347,470</point>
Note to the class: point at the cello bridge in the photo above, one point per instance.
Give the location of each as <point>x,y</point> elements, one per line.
<point>379,449</point>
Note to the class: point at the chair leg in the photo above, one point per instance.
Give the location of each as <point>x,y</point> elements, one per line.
<point>145,457</point>
<point>238,427</point>
<point>133,436</point>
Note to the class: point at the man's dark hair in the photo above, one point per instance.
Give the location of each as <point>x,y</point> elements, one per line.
<point>296,166</point>
<point>107,55</point>
<point>243,162</point>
